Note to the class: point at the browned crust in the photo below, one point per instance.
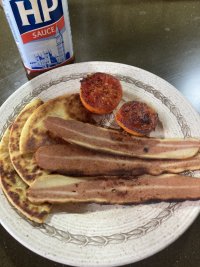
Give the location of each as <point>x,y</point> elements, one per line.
<point>119,191</point>
<point>15,189</point>
<point>33,137</point>
<point>137,118</point>
<point>118,143</point>
<point>100,92</point>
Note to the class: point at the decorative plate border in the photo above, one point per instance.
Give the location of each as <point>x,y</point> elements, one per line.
<point>84,240</point>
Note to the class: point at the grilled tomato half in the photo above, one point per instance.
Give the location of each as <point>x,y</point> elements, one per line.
<point>137,118</point>
<point>100,93</point>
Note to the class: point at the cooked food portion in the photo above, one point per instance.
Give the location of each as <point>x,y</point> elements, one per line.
<point>78,161</point>
<point>24,164</point>
<point>118,143</point>
<point>100,93</point>
<point>15,189</point>
<point>137,118</point>
<point>53,153</point>
<point>34,134</point>
<point>115,191</point>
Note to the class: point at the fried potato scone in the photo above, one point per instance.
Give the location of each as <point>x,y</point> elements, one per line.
<point>15,188</point>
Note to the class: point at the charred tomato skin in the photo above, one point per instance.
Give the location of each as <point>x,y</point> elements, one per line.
<point>100,92</point>
<point>137,118</point>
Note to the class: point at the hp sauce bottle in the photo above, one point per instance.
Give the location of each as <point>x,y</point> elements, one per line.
<point>41,30</point>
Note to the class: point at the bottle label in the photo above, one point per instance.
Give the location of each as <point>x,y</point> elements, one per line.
<point>42,31</point>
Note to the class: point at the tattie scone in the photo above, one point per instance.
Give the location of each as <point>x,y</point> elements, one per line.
<point>24,163</point>
<point>34,134</point>
<point>15,188</point>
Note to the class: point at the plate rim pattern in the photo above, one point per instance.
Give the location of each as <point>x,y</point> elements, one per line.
<point>117,238</point>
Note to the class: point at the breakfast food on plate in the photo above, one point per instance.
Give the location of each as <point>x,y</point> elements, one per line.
<point>100,92</point>
<point>34,133</point>
<point>118,143</point>
<point>24,164</point>
<point>15,189</point>
<point>53,152</point>
<point>137,118</point>
<point>115,191</point>
<point>79,161</point>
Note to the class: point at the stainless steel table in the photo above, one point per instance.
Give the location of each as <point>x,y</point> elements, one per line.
<point>162,37</point>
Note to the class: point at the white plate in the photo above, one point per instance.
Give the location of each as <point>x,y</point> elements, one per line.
<point>105,235</point>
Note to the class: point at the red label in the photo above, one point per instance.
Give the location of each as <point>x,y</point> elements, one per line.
<point>43,32</point>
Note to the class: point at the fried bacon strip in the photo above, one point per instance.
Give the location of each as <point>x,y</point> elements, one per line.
<point>60,189</point>
<point>78,161</point>
<point>119,143</point>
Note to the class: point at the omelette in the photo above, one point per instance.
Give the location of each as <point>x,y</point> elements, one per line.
<point>34,134</point>
<point>14,187</point>
<point>24,164</point>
